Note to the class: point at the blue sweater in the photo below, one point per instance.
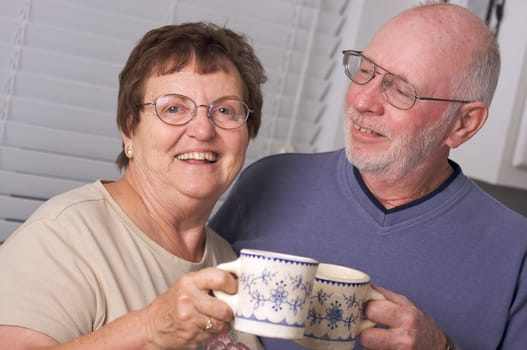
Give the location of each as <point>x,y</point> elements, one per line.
<point>457,253</point>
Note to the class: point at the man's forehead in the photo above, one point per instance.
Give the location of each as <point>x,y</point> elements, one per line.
<point>419,67</point>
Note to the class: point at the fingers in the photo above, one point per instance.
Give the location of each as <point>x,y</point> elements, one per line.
<point>186,313</point>
<point>395,310</point>
<point>408,327</point>
<point>215,308</point>
<point>216,314</point>
<point>392,296</point>
<point>214,326</point>
<point>375,338</point>
<point>215,279</point>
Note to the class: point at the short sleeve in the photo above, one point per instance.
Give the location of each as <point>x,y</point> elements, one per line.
<point>46,283</point>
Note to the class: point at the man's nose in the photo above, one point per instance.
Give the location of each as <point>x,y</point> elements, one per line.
<point>368,97</point>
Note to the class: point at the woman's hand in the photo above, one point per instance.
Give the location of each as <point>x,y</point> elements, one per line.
<point>178,318</point>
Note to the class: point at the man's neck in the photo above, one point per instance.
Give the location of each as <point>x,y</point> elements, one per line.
<point>406,188</point>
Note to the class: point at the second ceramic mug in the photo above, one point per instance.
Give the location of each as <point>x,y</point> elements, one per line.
<point>335,318</point>
<point>273,293</point>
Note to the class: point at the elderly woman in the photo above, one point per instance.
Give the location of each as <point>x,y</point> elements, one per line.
<point>127,264</point>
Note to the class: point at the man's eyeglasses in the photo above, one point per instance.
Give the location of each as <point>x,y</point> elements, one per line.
<point>397,91</point>
<point>225,113</point>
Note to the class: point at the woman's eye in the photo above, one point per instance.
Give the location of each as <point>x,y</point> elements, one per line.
<point>172,109</point>
<point>224,110</point>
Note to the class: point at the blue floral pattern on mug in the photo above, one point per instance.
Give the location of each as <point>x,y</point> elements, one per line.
<point>330,311</point>
<point>277,295</point>
<point>268,288</point>
<point>335,314</point>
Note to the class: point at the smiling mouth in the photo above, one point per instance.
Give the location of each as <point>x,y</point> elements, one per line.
<point>210,157</point>
<point>365,130</point>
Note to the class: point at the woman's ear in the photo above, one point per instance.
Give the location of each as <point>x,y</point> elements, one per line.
<point>127,134</point>
<point>128,131</point>
<point>471,117</point>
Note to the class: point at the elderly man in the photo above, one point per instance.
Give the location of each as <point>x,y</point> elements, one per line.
<point>449,258</point>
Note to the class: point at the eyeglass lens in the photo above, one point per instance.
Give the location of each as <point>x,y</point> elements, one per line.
<point>361,70</point>
<point>178,110</point>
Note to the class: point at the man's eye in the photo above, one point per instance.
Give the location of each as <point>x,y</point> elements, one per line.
<point>364,72</point>
<point>404,93</point>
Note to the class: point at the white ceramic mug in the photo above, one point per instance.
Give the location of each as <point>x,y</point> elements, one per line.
<point>335,317</point>
<point>273,293</point>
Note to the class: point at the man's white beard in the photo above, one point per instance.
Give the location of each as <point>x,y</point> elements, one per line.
<point>406,153</point>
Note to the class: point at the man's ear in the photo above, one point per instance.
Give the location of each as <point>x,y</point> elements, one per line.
<point>471,117</point>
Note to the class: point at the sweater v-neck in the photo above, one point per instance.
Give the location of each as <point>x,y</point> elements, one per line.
<point>352,184</point>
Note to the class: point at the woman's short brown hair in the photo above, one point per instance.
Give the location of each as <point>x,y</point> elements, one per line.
<point>170,48</point>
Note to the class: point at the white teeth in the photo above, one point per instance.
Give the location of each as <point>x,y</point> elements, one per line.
<point>208,156</point>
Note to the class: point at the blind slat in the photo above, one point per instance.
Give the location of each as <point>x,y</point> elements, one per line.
<point>17,209</point>
<point>153,10</point>
<point>68,92</point>
<point>98,47</point>
<point>33,186</point>
<point>62,116</point>
<point>6,228</point>
<point>68,16</point>
<point>53,140</point>
<point>74,68</point>
<point>60,166</point>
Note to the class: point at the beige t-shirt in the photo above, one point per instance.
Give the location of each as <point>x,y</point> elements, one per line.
<point>79,262</point>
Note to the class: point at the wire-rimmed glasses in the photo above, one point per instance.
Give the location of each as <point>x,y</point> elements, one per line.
<point>397,91</point>
<point>175,109</point>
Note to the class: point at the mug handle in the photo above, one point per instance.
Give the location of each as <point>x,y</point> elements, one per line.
<point>231,299</point>
<point>372,295</point>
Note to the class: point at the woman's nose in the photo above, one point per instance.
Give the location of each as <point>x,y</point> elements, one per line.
<point>201,126</point>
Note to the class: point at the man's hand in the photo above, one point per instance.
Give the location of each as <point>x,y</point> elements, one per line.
<point>409,328</point>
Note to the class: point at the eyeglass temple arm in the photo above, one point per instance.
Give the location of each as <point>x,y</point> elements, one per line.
<point>141,105</point>
<point>441,99</point>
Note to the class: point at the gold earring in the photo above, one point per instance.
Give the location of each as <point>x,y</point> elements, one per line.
<point>129,151</point>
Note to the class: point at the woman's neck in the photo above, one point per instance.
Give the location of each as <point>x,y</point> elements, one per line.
<point>181,232</point>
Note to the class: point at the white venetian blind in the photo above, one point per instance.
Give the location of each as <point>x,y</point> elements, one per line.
<point>59,62</point>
